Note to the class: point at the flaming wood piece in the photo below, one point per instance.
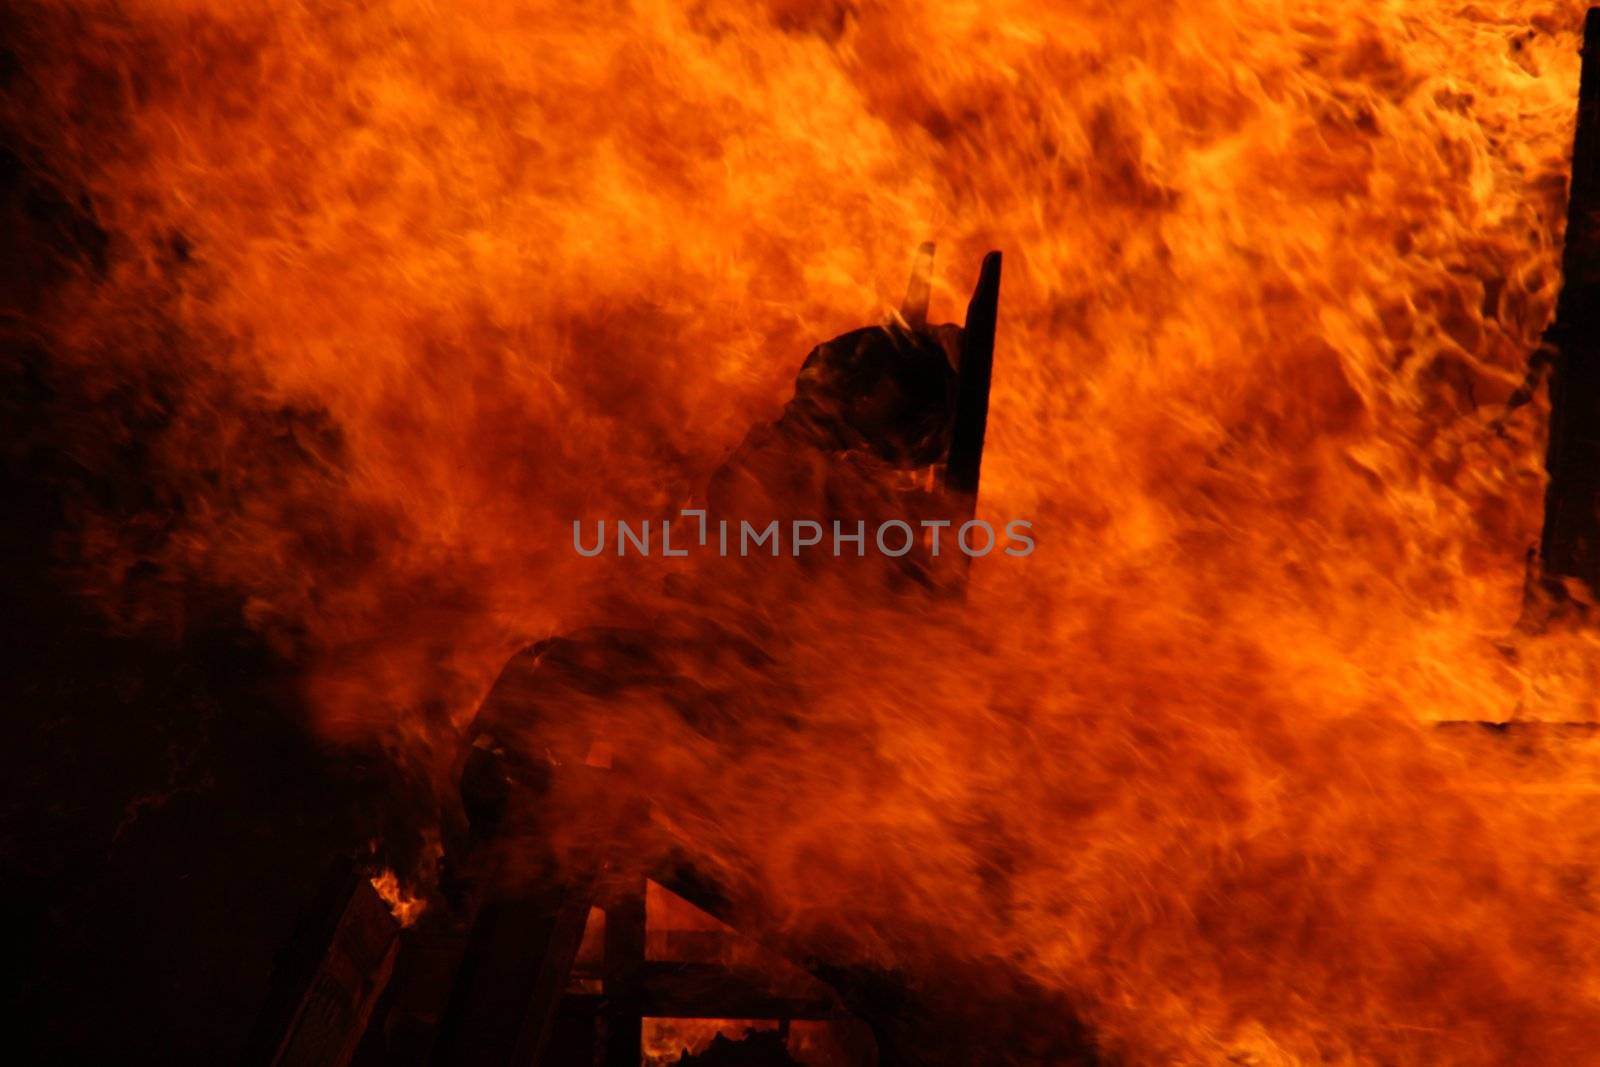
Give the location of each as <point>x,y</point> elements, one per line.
<point>1570,545</point>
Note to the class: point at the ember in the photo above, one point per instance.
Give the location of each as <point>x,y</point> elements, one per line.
<point>330,327</point>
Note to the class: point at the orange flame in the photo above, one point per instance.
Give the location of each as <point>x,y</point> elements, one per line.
<point>405,907</point>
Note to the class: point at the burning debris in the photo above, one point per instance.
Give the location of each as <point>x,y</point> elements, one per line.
<point>758,1048</point>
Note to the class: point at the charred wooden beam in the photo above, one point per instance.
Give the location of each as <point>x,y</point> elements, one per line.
<point>1570,544</point>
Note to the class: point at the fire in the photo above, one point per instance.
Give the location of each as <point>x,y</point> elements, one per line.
<point>667,1040</point>
<point>384,297</point>
<point>405,907</point>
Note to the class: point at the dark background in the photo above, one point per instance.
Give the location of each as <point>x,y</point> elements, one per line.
<point>166,820</point>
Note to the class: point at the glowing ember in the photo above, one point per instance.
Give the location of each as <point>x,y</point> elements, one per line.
<point>405,907</point>
<point>666,1040</point>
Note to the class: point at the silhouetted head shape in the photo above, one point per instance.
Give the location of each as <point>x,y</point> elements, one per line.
<point>885,390</point>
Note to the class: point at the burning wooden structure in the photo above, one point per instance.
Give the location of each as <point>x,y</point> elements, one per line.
<point>557,968</point>
<point>509,973</point>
